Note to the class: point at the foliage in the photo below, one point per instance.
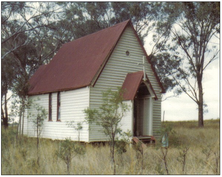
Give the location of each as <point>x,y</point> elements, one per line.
<point>78,127</point>
<point>68,150</point>
<point>109,116</point>
<point>38,117</point>
<point>121,146</point>
<point>194,31</point>
<point>25,31</point>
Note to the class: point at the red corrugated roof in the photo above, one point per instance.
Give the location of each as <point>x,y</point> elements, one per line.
<point>77,62</point>
<point>132,83</point>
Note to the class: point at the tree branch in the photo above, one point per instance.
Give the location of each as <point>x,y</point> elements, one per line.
<point>15,48</point>
<point>196,101</point>
<point>211,60</point>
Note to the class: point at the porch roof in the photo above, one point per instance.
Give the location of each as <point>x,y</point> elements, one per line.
<point>132,83</point>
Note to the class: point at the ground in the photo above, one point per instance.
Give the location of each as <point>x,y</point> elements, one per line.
<point>192,150</point>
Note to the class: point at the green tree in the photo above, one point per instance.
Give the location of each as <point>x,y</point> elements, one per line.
<point>37,118</point>
<point>25,26</point>
<point>109,116</point>
<point>143,15</point>
<point>194,26</point>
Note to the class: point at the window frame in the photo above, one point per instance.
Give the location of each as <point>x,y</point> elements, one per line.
<point>50,107</point>
<point>58,119</point>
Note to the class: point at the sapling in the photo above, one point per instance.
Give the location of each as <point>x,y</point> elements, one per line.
<point>182,157</point>
<point>164,132</point>
<point>68,150</point>
<point>108,117</point>
<point>164,151</point>
<point>37,119</point>
<point>18,107</point>
<point>78,127</point>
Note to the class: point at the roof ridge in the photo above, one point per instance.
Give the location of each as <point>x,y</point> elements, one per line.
<point>117,24</point>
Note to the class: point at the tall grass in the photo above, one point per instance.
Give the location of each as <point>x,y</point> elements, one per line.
<point>19,156</point>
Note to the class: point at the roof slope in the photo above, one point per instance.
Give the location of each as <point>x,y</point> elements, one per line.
<point>77,62</point>
<point>132,83</point>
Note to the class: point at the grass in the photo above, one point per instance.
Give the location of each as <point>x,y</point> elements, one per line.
<point>202,156</point>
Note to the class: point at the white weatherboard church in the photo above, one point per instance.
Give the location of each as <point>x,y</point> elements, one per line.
<point>84,68</point>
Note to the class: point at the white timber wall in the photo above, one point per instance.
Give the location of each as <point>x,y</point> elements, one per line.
<point>72,105</point>
<point>113,76</point>
<point>126,123</point>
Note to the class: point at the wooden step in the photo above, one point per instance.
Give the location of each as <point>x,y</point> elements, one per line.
<point>147,139</point>
<point>136,140</point>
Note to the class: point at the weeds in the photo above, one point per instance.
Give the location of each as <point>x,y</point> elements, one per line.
<point>196,151</point>
<point>69,150</point>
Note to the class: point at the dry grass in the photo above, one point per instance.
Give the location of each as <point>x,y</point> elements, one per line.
<point>19,156</point>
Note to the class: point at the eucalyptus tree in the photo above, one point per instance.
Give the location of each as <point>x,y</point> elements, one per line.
<point>194,27</point>
<point>144,15</point>
<point>81,18</point>
<point>25,31</point>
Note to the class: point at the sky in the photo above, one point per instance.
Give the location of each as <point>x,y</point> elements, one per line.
<point>184,108</point>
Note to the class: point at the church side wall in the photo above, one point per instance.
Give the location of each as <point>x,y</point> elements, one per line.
<point>126,123</point>
<point>72,105</point>
<point>113,76</point>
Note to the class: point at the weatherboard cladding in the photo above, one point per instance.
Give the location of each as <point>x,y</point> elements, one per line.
<point>73,102</point>
<point>114,74</point>
<point>80,62</point>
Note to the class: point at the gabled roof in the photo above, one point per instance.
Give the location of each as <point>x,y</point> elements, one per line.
<point>131,85</point>
<point>78,63</point>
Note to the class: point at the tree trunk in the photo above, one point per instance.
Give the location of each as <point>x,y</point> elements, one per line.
<point>19,125</point>
<point>37,138</point>
<point>23,114</point>
<point>23,117</point>
<point>3,114</point>
<point>68,164</point>
<point>5,120</point>
<point>113,153</point>
<point>200,102</point>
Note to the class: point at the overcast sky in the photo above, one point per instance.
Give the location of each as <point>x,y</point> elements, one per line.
<point>183,108</point>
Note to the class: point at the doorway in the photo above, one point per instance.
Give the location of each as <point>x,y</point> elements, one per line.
<point>142,123</point>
